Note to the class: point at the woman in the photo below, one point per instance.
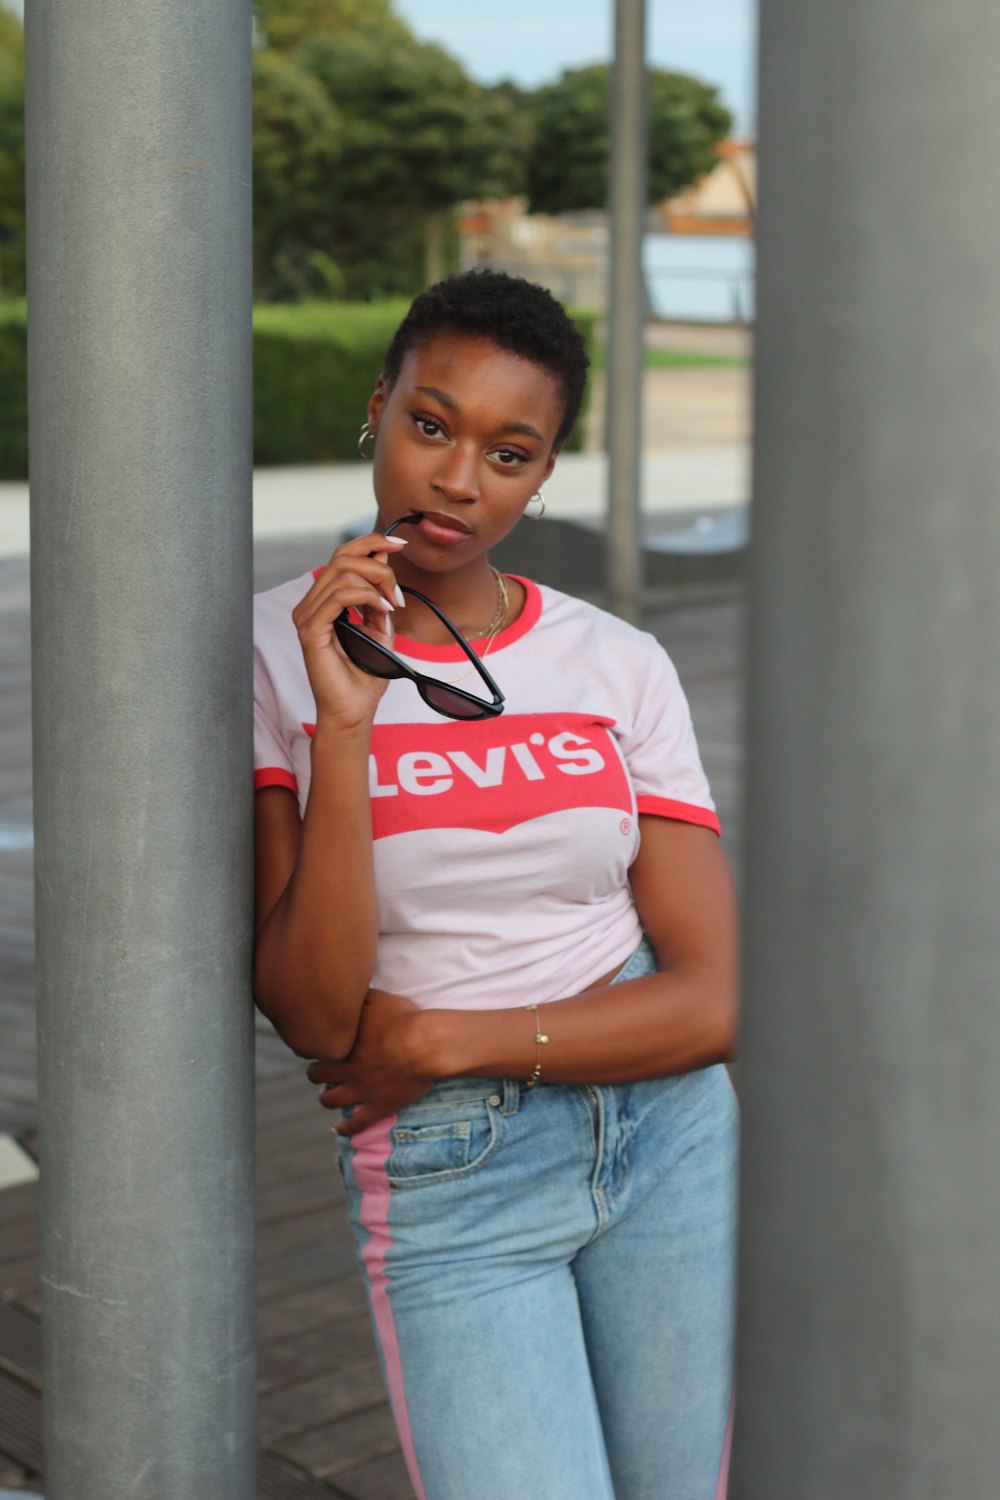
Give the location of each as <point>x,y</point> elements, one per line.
<point>512,939</point>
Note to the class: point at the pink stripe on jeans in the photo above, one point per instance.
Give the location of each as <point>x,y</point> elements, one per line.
<point>722,1488</point>
<point>371,1151</point>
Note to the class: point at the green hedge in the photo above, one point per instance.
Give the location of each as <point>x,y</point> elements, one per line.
<point>13,391</point>
<point>314,367</point>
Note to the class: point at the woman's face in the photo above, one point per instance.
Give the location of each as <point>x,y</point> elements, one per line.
<point>465,437</point>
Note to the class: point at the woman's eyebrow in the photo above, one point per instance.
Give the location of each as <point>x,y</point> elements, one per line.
<point>452,405</point>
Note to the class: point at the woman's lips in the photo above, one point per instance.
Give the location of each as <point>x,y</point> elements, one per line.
<point>445,531</point>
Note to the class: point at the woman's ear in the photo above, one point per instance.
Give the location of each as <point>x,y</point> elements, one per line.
<point>378,399</point>
<point>551,463</point>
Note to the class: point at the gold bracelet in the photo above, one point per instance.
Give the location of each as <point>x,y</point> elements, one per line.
<point>540,1041</point>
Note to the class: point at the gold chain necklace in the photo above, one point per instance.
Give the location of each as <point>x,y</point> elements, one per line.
<point>493,628</point>
<point>499,614</point>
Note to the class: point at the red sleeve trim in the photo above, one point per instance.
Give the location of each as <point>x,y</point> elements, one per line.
<point>274,776</point>
<point>683,812</point>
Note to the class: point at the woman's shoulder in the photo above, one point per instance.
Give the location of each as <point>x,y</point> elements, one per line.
<point>289,592</point>
<point>276,651</point>
<point>568,612</point>
<point>272,608</point>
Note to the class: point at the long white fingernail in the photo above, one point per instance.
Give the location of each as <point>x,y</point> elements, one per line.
<point>397,594</point>
<point>390,607</point>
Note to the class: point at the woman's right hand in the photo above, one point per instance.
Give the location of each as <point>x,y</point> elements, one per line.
<point>358,575</point>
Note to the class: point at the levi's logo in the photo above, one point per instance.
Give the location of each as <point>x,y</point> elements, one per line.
<point>492,774</point>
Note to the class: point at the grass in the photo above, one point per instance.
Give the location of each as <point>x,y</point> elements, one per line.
<point>679,359</point>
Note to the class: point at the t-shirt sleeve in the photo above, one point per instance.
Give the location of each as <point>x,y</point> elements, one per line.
<point>271,758</point>
<point>661,751</point>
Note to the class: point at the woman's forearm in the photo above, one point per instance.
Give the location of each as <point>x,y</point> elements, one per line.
<point>649,1027</point>
<point>316,950</point>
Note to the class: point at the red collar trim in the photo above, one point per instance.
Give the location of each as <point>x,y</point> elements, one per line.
<point>422,651</point>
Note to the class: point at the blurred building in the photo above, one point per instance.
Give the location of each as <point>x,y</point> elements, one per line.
<point>568,253</point>
<point>724,201</point>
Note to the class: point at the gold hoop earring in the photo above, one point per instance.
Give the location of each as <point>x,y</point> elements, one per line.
<point>536,515</point>
<point>367,431</point>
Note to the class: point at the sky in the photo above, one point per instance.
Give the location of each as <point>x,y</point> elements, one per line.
<point>531,41</point>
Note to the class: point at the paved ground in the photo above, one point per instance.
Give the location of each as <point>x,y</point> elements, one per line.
<point>325,1428</point>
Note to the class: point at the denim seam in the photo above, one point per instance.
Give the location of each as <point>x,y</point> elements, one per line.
<point>599,1117</point>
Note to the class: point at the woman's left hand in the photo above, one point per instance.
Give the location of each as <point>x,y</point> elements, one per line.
<point>381,1074</point>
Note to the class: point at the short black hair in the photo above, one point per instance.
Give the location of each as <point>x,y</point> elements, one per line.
<point>515,314</point>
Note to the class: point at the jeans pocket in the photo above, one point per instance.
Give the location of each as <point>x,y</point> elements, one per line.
<point>431,1150</point>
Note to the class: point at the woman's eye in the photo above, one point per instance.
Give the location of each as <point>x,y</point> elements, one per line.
<point>509,457</point>
<point>428,426</point>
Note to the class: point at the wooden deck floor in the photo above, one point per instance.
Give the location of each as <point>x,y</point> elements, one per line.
<point>325,1428</point>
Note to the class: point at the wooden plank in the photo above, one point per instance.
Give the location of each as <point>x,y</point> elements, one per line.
<point>297,1165</point>
<point>284,1102</point>
<point>21,1344</point>
<point>277,1479</point>
<point>20,1423</point>
<point>311,1352</point>
<point>283,1198</point>
<point>18,1276</point>
<point>300,1308</point>
<point>305,1117</point>
<point>278,1095</point>
<point>352,1386</point>
<point>283,1096</point>
<point>346,1444</point>
<point>296,1231</point>
<point>18,1240</point>
<point>311,1266</point>
<point>16,1118</point>
<point>286,1137</point>
<point>19,1084</point>
<point>381,1479</point>
<point>18,1203</point>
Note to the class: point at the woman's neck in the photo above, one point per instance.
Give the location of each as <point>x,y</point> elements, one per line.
<point>471,597</point>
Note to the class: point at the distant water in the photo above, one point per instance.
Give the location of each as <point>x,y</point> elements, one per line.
<point>700,278</point>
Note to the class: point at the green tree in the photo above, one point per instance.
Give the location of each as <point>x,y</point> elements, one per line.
<point>12,239</point>
<point>568,165</point>
<point>296,147</point>
<point>287,25</point>
<point>418,136</point>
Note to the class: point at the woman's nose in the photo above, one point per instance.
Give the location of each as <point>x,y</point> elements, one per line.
<point>457,475</point>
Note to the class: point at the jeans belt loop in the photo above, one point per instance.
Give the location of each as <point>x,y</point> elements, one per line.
<point>511,1096</point>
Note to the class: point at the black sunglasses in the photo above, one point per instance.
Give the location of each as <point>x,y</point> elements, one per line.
<point>378,661</point>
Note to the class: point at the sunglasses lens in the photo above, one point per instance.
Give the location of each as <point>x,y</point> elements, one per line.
<point>366,654</point>
<point>444,701</point>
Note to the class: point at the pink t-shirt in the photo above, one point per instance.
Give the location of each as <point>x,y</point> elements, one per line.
<point>502,846</point>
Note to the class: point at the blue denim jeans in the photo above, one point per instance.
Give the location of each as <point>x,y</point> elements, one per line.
<point>551,1273</point>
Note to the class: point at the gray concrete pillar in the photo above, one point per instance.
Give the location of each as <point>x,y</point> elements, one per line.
<point>626,308</point>
<point>870,1317</point>
<point>138,120</point>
